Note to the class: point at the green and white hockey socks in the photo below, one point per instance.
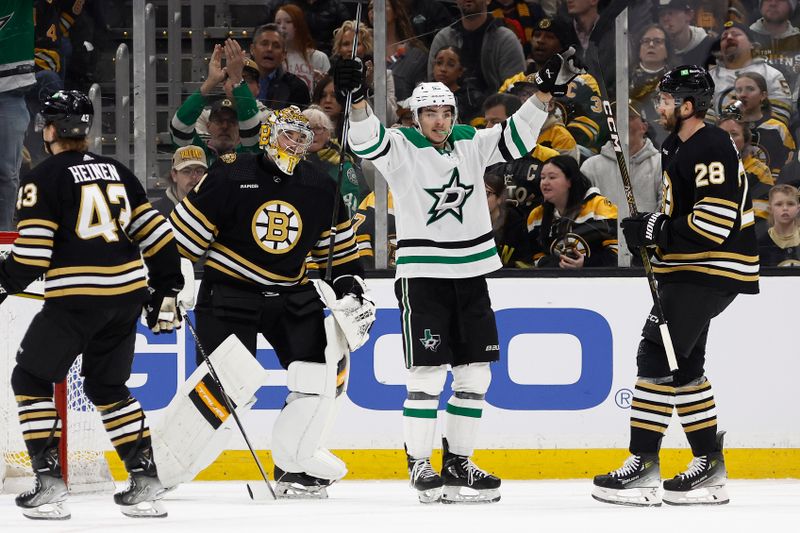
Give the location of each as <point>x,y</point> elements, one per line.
<point>464,411</point>
<point>419,423</point>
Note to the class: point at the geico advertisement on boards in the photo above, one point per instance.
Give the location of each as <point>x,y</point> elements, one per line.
<point>567,369</point>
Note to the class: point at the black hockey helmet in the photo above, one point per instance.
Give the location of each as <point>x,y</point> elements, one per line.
<point>70,111</point>
<point>689,81</point>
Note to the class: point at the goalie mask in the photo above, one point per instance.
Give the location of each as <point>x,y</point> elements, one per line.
<point>431,94</point>
<point>286,136</point>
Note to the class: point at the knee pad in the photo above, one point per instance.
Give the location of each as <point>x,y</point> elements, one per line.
<point>23,383</point>
<point>427,379</point>
<point>102,394</point>
<point>474,378</point>
<point>303,423</point>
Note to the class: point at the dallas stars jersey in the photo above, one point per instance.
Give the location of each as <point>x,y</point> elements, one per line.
<point>85,222</point>
<point>710,239</point>
<point>440,209</point>
<point>259,225</point>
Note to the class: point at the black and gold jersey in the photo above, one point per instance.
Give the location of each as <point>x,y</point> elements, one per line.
<point>85,223</point>
<point>710,239</point>
<point>262,228</point>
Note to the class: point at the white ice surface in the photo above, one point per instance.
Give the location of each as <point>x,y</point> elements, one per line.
<point>763,506</point>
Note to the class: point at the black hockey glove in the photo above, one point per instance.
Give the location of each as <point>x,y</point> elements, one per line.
<point>349,77</point>
<point>161,311</point>
<point>558,71</point>
<point>645,229</point>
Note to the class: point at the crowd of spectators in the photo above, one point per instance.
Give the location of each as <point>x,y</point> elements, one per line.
<point>556,207</point>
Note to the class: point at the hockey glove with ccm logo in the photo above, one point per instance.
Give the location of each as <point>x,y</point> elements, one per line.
<point>645,229</point>
<point>558,71</point>
<point>354,311</point>
<point>161,311</point>
<point>349,76</point>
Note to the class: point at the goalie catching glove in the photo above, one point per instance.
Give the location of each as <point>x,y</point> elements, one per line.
<point>161,311</point>
<point>353,310</point>
<point>557,72</point>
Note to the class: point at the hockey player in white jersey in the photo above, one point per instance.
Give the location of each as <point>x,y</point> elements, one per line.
<point>445,247</point>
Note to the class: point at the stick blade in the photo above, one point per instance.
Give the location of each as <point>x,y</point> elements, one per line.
<point>260,492</point>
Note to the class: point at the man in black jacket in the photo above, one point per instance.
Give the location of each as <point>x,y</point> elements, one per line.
<point>277,88</point>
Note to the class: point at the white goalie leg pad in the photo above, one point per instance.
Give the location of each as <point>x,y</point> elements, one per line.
<point>424,385</point>
<point>465,407</point>
<point>303,424</point>
<point>196,425</point>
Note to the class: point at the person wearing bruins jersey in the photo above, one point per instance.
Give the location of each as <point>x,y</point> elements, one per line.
<point>704,254</point>
<point>575,227</point>
<point>85,223</point>
<point>263,220</point>
<point>445,247</point>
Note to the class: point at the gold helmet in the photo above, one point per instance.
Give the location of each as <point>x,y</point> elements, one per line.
<point>286,136</point>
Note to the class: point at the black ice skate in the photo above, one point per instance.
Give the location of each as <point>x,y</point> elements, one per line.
<point>140,499</point>
<point>45,501</point>
<point>635,483</point>
<point>464,482</point>
<point>424,479</point>
<point>299,485</point>
<point>703,482</point>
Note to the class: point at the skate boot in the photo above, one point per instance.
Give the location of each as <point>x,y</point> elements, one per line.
<point>299,485</point>
<point>424,479</point>
<point>703,482</point>
<point>635,483</point>
<point>45,501</point>
<point>140,498</point>
<point>464,482</point>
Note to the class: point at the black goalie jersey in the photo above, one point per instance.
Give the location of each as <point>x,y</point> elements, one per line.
<point>263,228</point>
<point>85,222</point>
<point>710,239</point>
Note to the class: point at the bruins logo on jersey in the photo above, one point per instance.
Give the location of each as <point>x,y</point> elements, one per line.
<point>571,244</point>
<point>277,227</point>
<point>230,157</point>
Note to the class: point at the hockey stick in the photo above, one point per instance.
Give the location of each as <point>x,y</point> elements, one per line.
<point>342,148</point>
<point>626,184</point>
<point>256,493</point>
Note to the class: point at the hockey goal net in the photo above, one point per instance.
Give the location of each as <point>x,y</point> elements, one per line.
<point>83,441</point>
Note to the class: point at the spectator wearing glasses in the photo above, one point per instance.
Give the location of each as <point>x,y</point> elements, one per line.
<point>188,166</point>
<point>655,59</point>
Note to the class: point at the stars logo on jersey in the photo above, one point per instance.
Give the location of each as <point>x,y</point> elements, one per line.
<point>449,198</point>
<point>429,341</point>
<point>277,227</point>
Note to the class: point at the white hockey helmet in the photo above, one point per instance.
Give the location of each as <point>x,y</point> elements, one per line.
<point>428,94</point>
<point>290,123</point>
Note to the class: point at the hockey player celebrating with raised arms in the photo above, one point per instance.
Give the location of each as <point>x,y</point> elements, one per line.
<point>85,223</point>
<point>259,217</point>
<point>445,246</point>
<point>704,254</point>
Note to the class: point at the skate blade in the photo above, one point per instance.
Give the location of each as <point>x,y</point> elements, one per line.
<point>48,511</point>
<point>634,497</point>
<point>468,495</point>
<point>289,491</point>
<point>430,495</point>
<point>146,509</point>
<point>714,495</point>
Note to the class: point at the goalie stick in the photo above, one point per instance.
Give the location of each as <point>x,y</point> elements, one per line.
<point>626,184</point>
<point>256,493</point>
